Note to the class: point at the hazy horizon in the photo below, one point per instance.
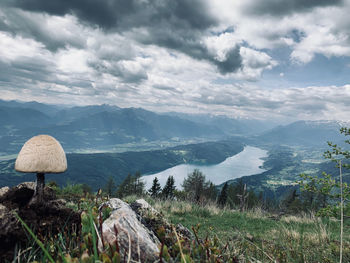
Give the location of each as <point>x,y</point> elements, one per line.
<point>272,121</point>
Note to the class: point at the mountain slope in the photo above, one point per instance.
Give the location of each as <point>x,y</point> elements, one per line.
<point>47,109</point>
<point>98,127</point>
<point>22,117</point>
<point>307,133</point>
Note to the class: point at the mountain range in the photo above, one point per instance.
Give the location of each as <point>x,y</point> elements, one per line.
<point>93,127</point>
<point>104,127</point>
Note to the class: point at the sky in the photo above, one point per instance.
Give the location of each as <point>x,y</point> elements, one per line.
<point>271,59</point>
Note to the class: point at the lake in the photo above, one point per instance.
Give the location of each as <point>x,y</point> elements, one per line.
<point>247,162</point>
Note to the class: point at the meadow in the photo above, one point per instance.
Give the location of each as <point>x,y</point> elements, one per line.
<point>222,235</point>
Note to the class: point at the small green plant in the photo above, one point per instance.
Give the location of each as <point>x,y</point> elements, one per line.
<point>40,244</point>
<point>329,187</point>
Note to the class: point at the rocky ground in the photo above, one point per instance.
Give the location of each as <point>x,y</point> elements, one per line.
<point>134,227</point>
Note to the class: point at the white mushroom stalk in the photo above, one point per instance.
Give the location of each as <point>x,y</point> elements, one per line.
<point>41,154</point>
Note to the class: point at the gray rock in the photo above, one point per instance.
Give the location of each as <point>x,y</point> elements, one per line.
<point>142,207</point>
<point>131,234</point>
<point>114,203</point>
<point>3,191</point>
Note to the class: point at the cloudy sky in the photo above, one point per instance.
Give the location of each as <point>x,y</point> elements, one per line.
<point>270,59</point>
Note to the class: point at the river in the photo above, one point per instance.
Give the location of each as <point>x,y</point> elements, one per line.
<point>247,162</point>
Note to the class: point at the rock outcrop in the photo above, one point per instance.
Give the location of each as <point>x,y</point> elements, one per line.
<point>47,218</point>
<point>135,228</point>
<point>134,239</point>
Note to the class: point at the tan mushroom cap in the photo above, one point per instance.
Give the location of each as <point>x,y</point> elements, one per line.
<point>41,154</point>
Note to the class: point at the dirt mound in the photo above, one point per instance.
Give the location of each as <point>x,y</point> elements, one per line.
<point>45,219</point>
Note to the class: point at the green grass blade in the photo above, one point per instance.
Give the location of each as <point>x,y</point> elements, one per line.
<point>94,238</point>
<point>41,245</point>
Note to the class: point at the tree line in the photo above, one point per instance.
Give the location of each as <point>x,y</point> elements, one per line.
<point>195,188</point>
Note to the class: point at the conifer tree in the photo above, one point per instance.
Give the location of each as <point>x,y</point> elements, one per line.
<point>211,192</point>
<point>169,188</point>
<point>132,185</point>
<point>139,185</point>
<point>110,187</point>
<point>155,189</point>
<point>223,195</point>
<point>195,185</point>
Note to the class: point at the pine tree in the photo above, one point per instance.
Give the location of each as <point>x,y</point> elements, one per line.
<point>211,192</point>
<point>110,187</point>
<point>195,185</point>
<point>139,185</point>
<point>132,185</point>
<point>169,188</point>
<point>124,188</point>
<point>155,189</point>
<point>223,195</point>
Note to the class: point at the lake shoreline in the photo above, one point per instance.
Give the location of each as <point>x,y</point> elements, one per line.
<point>247,162</point>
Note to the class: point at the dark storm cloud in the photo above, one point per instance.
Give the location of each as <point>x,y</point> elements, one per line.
<point>105,14</point>
<point>18,22</point>
<point>178,25</point>
<point>111,14</point>
<point>231,63</point>
<point>283,7</point>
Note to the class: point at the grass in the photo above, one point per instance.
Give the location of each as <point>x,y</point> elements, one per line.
<point>224,235</point>
<point>254,235</point>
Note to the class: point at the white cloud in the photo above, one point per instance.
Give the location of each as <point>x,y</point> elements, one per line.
<point>254,63</point>
<point>72,60</point>
<point>220,44</point>
<point>324,30</point>
<point>12,48</point>
<point>60,59</point>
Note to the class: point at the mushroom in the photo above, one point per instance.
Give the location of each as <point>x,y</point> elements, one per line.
<point>41,154</point>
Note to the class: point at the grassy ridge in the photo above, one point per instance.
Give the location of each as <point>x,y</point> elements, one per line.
<point>225,235</point>
<point>256,235</point>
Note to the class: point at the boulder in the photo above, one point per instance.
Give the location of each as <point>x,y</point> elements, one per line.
<point>48,218</point>
<point>134,239</point>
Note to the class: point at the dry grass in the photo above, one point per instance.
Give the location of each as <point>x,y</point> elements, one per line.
<point>184,207</point>
<point>302,219</point>
<point>257,212</point>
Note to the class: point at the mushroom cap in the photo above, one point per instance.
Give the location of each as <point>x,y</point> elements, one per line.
<point>41,154</point>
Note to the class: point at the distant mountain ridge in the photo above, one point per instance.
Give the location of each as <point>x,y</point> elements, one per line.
<point>307,133</point>
<point>229,125</point>
<point>93,127</point>
<point>100,127</point>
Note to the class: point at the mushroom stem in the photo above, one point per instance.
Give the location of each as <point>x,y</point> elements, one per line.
<point>39,190</point>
